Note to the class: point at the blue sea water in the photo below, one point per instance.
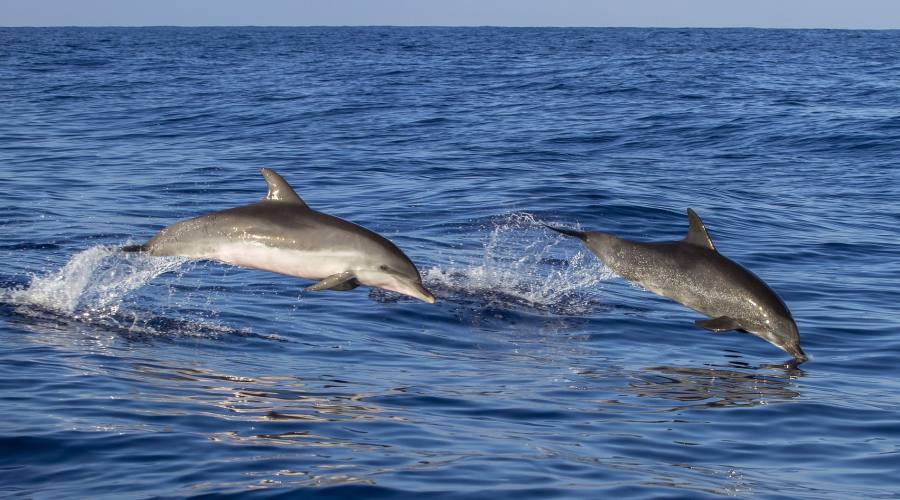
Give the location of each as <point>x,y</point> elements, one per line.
<point>537,374</point>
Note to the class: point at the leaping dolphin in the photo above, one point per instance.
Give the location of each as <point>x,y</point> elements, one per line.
<point>282,234</point>
<point>692,273</point>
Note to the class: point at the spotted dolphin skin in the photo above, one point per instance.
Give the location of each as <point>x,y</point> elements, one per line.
<point>692,273</point>
<point>282,234</point>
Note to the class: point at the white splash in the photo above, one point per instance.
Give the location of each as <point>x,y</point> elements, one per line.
<point>93,283</point>
<point>524,264</point>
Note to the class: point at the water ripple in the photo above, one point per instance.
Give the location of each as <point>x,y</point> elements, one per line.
<point>537,373</point>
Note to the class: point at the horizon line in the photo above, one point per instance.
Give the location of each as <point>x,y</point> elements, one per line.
<point>459,26</point>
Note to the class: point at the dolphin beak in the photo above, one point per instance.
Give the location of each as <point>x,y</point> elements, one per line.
<point>413,289</point>
<point>423,294</point>
<point>404,284</point>
<point>796,352</point>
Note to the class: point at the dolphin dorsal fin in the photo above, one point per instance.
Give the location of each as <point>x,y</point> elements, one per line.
<point>697,234</point>
<point>279,189</point>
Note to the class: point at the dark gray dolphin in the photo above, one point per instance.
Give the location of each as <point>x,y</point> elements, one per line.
<point>282,234</point>
<point>691,272</point>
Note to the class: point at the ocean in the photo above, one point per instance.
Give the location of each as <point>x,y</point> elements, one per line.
<point>538,373</point>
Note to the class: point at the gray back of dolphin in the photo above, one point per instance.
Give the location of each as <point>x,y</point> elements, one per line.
<point>282,234</point>
<point>693,273</point>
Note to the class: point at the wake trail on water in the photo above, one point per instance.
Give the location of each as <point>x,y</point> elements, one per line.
<point>93,283</point>
<point>91,289</point>
<point>524,265</point>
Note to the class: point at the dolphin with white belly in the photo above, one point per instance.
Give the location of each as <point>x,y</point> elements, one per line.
<point>282,234</point>
<point>693,273</point>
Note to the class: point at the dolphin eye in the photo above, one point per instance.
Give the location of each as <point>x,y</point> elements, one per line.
<point>383,267</point>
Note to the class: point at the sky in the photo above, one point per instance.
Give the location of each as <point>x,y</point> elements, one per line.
<point>856,14</point>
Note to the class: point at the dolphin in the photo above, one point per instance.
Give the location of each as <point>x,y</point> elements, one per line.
<point>693,273</point>
<point>282,234</point>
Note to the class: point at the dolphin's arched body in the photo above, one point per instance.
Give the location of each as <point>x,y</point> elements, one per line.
<point>282,234</point>
<point>691,272</point>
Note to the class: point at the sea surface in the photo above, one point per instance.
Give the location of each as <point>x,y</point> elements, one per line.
<point>538,373</point>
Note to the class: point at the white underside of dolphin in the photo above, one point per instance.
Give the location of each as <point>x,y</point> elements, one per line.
<point>304,264</point>
<point>282,234</point>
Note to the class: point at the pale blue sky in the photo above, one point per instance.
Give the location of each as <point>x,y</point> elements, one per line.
<point>670,13</point>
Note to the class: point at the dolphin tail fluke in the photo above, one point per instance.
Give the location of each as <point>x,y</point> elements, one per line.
<point>134,248</point>
<point>569,232</point>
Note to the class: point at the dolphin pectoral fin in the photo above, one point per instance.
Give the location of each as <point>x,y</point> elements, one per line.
<point>341,282</point>
<point>346,286</point>
<point>720,324</point>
